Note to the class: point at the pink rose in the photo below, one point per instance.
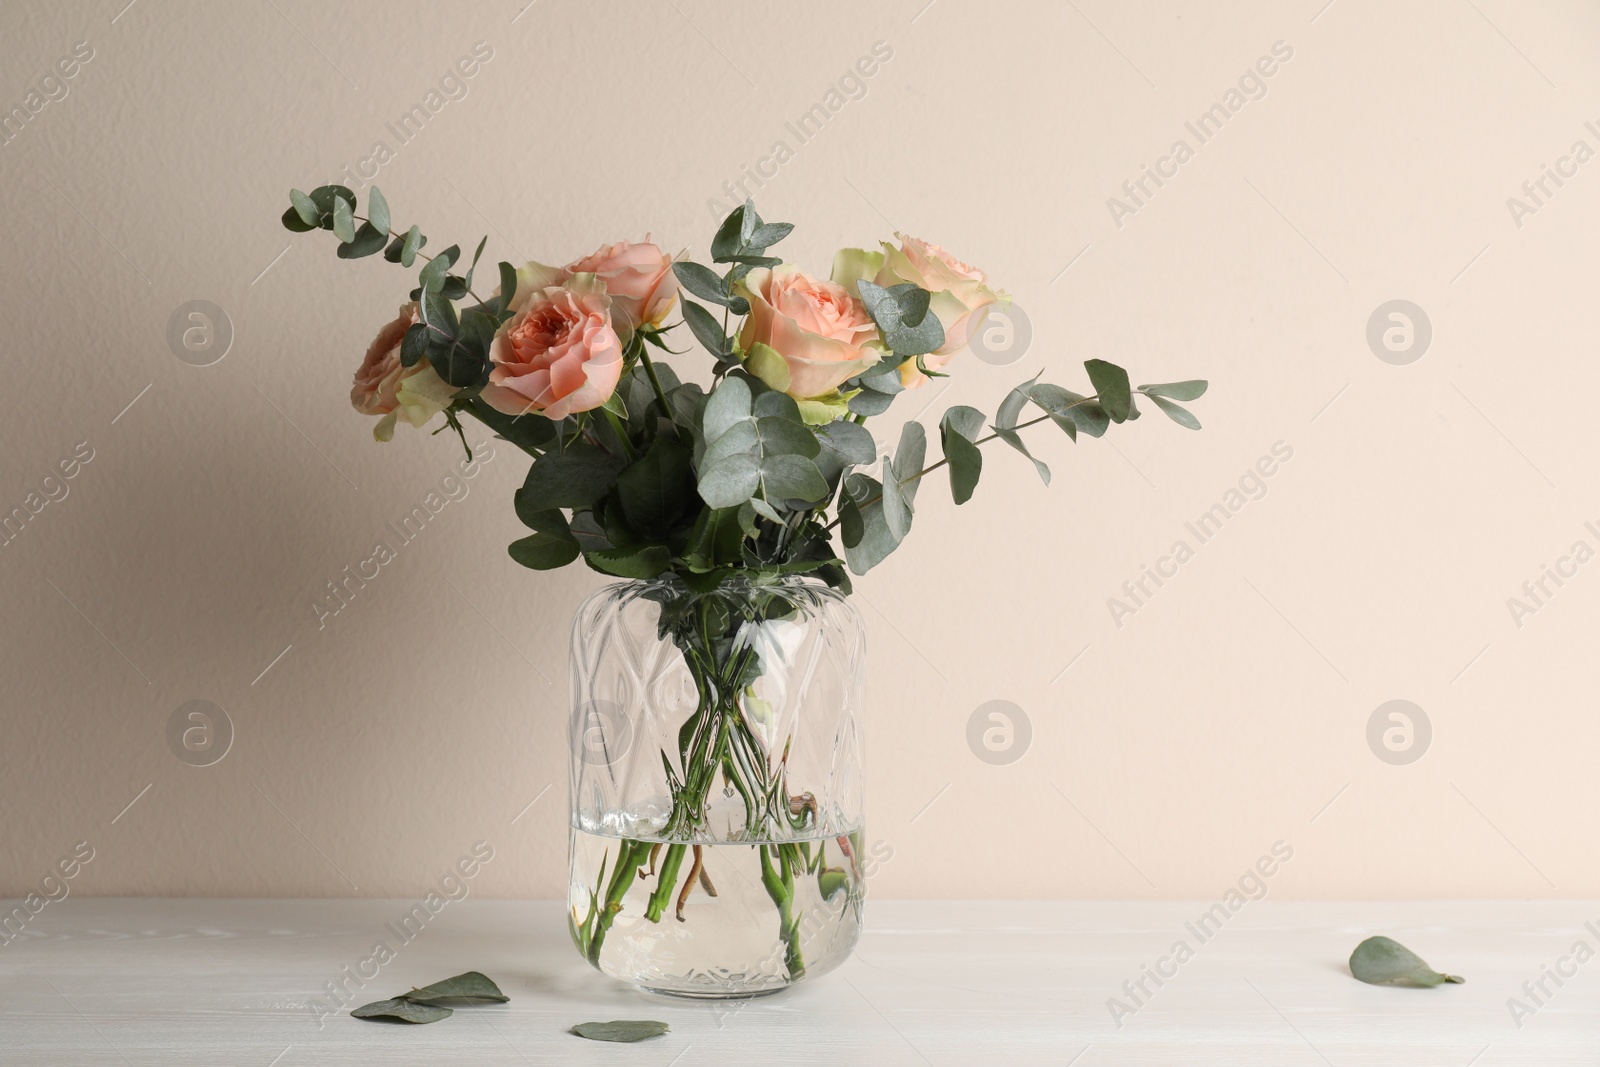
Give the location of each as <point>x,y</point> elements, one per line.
<point>383,387</point>
<point>638,278</point>
<point>819,331</point>
<point>558,354</point>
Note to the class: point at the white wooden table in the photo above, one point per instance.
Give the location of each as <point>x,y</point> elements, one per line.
<point>128,983</point>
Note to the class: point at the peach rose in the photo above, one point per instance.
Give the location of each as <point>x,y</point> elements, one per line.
<point>960,291</point>
<point>383,387</point>
<point>804,335</point>
<point>558,354</point>
<point>638,278</point>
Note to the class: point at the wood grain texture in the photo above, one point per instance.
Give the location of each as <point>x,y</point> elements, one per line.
<point>128,983</point>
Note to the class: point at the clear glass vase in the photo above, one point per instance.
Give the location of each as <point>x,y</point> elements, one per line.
<point>716,784</point>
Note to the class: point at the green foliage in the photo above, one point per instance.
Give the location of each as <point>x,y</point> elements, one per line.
<point>901,312</point>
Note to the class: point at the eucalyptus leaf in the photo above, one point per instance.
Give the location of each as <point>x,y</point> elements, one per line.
<point>408,248</point>
<point>1014,439</point>
<point>1384,961</point>
<point>885,380</point>
<point>1111,384</point>
<point>471,985</point>
<point>367,241</point>
<point>852,441</point>
<point>791,477</point>
<point>344,220</point>
<point>701,281</point>
<point>913,305</point>
<point>781,435</point>
<point>305,208</point>
<point>844,444</point>
<point>731,234</point>
<point>324,197</point>
<point>620,1030</point>
<point>1008,414</point>
<point>958,431</point>
<point>295,224</point>
<point>765,510</point>
<point>774,403</point>
<point>1180,415</point>
<point>729,403</point>
<point>888,309</point>
<point>908,459</point>
<point>870,402</point>
<point>864,512</point>
<point>894,506</point>
<point>1193,389</point>
<point>378,210</point>
<point>402,1010</point>
<point>740,439</point>
<point>768,234</point>
<point>731,482</point>
<point>707,330</point>
<point>414,345</point>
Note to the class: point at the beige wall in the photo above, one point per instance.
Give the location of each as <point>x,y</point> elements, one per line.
<point>1229,712</point>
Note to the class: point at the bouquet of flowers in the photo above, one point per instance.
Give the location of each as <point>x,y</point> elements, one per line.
<point>725,491</point>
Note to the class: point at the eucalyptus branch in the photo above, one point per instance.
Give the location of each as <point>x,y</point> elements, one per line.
<point>943,462</point>
<point>420,252</point>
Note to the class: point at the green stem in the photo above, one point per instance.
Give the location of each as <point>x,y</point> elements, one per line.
<point>780,887</point>
<point>630,857</point>
<point>655,383</point>
<point>665,882</point>
<point>621,431</point>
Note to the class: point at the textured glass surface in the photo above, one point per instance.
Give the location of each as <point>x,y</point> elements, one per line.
<point>716,784</point>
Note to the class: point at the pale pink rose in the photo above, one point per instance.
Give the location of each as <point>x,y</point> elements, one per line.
<point>383,387</point>
<point>558,354</point>
<point>638,278</point>
<point>818,328</point>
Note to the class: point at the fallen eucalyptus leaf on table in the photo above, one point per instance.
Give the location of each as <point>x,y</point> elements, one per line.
<point>1385,961</point>
<point>472,985</point>
<point>422,1005</point>
<point>402,1010</point>
<point>620,1030</point>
